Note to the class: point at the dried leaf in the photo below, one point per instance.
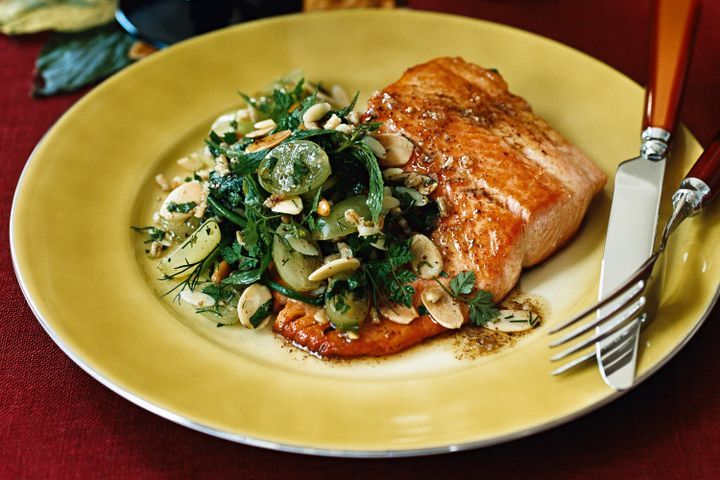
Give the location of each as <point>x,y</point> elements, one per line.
<point>30,16</point>
<point>69,61</point>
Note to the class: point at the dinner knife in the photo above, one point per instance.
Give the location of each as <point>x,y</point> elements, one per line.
<point>638,183</point>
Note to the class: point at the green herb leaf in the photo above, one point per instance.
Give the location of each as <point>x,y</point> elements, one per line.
<point>261,313</point>
<point>69,61</point>
<point>173,207</point>
<point>154,233</point>
<point>463,283</point>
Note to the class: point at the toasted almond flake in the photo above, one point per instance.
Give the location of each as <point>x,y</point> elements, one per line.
<point>222,167</point>
<point>398,313</point>
<point>224,124</point>
<point>398,149</point>
<point>333,268</point>
<point>239,238</point>
<point>162,182</point>
<point>427,261</point>
<point>156,249</point>
<point>413,180</point>
<point>444,310</point>
<point>394,174</point>
<point>353,117</point>
<point>259,132</point>
<point>344,250</point>
<point>191,162</point>
<point>332,122</point>
<point>254,297</point>
<point>352,217</point>
<point>344,128</point>
<point>269,123</point>
<point>197,299</point>
<point>290,205</point>
<point>268,142</point>
<point>185,193</point>
<point>316,112</point>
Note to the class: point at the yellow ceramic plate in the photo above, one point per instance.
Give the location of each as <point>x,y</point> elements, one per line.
<point>91,178</point>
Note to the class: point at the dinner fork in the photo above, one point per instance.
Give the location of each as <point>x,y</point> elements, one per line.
<point>628,302</point>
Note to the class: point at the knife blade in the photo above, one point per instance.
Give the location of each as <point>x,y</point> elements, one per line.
<point>638,184</point>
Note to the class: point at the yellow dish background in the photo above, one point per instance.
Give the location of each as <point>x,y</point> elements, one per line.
<point>91,178</point>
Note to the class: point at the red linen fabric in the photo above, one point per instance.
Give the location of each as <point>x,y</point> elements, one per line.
<point>57,422</point>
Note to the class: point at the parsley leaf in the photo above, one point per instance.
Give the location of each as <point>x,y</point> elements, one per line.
<point>481,307</point>
<point>463,283</point>
<point>173,207</point>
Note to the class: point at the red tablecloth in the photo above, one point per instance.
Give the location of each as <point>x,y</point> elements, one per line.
<point>56,421</point>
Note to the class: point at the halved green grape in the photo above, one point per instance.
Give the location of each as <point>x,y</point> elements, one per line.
<point>347,310</point>
<point>335,225</point>
<point>196,248</point>
<point>292,266</point>
<point>293,168</point>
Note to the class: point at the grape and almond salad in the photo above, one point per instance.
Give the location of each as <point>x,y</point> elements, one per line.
<point>299,194</point>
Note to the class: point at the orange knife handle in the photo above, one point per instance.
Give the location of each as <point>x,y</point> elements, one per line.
<point>674,32</point>
<point>707,170</point>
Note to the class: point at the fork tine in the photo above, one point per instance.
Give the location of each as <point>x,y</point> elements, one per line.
<point>611,349</point>
<point>629,314</point>
<point>573,363</point>
<point>634,293</point>
<point>622,353</point>
<point>638,275</point>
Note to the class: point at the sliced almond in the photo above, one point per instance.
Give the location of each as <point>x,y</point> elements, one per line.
<point>427,261</point>
<point>398,313</point>
<point>289,205</point>
<point>394,174</point>
<point>262,124</point>
<point>333,122</point>
<point>192,162</point>
<point>513,321</point>
<point>185,193</point>
<point>375,146</point>
<point>197,299</point>
<point>333,268</point>
<point>260,132</point>
<point>316,112</point>
<point>445,310</point>
<point>398,149</point>
<point>268,142</point>
<point>254,297</point>
<point>224,124</point>
<point>344,128</point>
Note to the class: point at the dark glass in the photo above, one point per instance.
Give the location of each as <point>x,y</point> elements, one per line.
<point>164,22</point>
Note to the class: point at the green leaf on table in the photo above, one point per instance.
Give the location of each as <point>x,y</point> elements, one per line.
<point>30,16</point>
<point>69,61</point>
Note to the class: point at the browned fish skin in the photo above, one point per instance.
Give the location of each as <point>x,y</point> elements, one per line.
<point>296,322</point>
<point>516,191</point>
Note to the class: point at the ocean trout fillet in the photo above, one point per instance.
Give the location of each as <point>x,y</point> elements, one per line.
<point>515,189</point>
